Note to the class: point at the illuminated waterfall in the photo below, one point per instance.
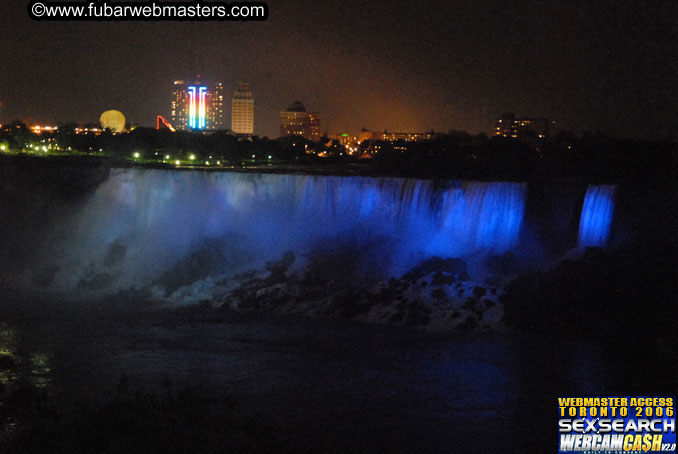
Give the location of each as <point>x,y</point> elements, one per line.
<point>160,217</point>
<point>596,216</point>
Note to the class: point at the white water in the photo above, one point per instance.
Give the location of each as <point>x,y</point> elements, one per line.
<point>596,216</point>
<point>139,223</point>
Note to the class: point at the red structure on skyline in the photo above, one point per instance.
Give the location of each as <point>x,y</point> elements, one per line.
<point>161,120</point>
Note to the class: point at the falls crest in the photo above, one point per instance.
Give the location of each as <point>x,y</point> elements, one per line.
<point>139,222</point>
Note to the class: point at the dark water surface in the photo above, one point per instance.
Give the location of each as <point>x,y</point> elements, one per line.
<point>321,385</point>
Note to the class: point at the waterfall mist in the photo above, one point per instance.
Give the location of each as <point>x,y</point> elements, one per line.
<point>161,230</point>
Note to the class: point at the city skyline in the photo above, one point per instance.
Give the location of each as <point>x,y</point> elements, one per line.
<point>440,66</point>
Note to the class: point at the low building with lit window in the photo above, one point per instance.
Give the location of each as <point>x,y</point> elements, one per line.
<point>395,136</point>
<point>521,128</point>
<point>295,121</point>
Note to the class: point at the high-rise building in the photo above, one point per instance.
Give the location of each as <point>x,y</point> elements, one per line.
<point>295,121</point>
<point>242,110</point>
<point>197,106</point>
<point>521,128</point>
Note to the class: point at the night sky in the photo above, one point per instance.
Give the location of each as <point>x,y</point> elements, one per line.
<point>379,64</point>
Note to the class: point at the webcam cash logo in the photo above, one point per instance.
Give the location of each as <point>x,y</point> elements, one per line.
<point>616,425</point>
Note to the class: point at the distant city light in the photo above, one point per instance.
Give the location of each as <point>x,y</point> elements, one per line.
<point>136,155</point>
<point>269,156</point>
<point>177,162</point>
<point>191,107</point>
<point>2,147</point>
<point>192,157</point>
<point>196,109</point>
<point>39,129</point>
<point>201,110</point>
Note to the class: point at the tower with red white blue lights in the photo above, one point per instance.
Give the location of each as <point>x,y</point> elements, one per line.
<point>197,106</point>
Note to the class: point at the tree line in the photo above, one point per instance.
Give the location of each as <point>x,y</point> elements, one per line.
<point>454,154</point>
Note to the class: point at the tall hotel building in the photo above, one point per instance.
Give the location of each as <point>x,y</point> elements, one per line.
<point>197,106</point>
<point>295,121</point>
<point>242,110</point>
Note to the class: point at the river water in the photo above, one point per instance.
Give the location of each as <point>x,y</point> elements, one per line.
<point>321,385</point>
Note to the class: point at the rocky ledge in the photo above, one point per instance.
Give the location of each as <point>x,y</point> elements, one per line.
<point>437,294</point>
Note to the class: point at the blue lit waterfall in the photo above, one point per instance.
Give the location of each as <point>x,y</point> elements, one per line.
<point>140,223</point>
<point>596,216</point>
